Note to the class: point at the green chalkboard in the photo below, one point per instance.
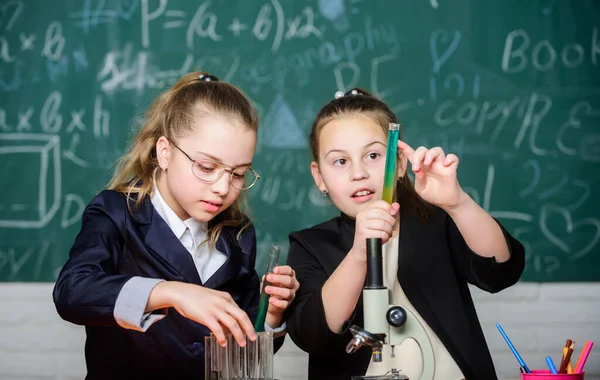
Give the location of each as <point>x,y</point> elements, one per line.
<point>511,87</point>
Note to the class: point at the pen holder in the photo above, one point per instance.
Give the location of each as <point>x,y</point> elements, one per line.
<point>544,374</point>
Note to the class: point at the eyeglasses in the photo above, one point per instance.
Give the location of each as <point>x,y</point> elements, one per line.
<point>210,171</point>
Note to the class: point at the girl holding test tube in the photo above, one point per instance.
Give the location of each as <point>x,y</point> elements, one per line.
<point>437,241</point>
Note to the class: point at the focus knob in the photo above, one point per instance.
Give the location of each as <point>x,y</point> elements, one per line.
<point>396,316</point>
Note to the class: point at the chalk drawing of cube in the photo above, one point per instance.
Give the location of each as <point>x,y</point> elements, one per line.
<point>31,179</point>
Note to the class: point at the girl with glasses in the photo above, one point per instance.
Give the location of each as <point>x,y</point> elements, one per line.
<point>166,255</point>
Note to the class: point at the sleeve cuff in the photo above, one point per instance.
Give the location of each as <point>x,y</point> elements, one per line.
<point>131,304</point>
<point>277,329</point>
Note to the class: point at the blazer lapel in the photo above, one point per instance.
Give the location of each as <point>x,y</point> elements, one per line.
<point>160,239</point>
<point>235,264</point>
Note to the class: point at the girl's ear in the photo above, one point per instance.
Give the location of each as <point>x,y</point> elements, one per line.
<point>163,152</point>
<point>402,165</point>
<point>316,173</point>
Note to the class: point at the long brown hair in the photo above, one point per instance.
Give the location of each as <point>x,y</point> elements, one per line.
<point>172,115</point>
<point>359,101</point>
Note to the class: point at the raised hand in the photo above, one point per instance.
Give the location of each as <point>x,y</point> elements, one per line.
<point>435,175</point>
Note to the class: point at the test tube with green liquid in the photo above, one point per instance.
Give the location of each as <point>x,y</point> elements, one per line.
<point>390,177</point>
<point>263,304</point>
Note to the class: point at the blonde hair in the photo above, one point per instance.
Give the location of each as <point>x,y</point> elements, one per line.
<point>172,115</point>
<point>359,101</point>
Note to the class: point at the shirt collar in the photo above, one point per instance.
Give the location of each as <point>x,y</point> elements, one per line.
<point>198,229</point>
<point>178,226</point>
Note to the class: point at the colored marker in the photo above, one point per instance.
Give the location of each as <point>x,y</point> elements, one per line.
<point>566,360</point>
<point>562,364</point>
<point>390,176</point>
<point>513,349</point>
<point>551,365</point>
<point>583,357</point>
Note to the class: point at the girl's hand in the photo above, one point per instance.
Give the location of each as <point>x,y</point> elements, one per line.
<point>378,220</point>
<point>211,308</point>
<point>282,288</point>
<point>435,175</point>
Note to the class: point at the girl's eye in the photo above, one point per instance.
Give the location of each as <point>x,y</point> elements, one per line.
<point>373,156</point>
<point>206,167</point>
<point>239,174</point>
<point>340,162</point>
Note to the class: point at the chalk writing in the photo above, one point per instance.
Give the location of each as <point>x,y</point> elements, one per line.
<point>544,55</point>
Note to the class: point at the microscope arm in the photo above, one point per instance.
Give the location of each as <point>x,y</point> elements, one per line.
<point>412,328</point>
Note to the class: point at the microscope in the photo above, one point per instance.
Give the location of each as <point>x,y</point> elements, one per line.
<point>387,324</point>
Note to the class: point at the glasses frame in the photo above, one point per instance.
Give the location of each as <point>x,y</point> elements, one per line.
<point>226,168</point>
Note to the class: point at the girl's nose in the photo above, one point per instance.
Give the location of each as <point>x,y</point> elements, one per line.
<point>221,186</point>
<point>358,172</point>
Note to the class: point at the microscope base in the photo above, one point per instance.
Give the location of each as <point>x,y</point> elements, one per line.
<point>381,377</point>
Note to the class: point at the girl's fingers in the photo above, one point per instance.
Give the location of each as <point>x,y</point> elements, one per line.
<point>375,229</point>
<point>284,270</point>
<point>217,330</point>
<point>282,293</point>
<point>378,205</point>
<point>242,319</point>
<point>418,158</point>
<point>433,154</point>
<point>450,159</point>
<point>279,303</point>
<point>232,325</point>
<point>425,156</point>
<point>284,281</point>
<point>381,213</point>
<point>405,148</point>
<point>379,233</point>
<point>381,221</point>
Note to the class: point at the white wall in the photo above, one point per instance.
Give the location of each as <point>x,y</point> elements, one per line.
<point>36,344</point>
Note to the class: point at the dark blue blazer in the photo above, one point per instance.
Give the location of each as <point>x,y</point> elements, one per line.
<point>114,245</point>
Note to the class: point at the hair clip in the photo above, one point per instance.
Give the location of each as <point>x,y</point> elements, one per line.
<point>353,92</point>
<point>207,78</point>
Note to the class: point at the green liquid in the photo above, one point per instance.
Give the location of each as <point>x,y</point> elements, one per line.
<point>390,176</point>
<point>263,303</point>
<point>263,307</point>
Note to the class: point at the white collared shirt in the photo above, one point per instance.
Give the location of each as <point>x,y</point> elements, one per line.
<point>207,260</point>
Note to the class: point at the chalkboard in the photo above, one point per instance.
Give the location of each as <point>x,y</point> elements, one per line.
<point>511,87</point>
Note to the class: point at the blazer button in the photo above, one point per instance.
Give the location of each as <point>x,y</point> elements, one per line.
<point>197,348</point>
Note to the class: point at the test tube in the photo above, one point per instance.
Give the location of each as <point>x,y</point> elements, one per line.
<point>208,359</point>
<point>213,358</point>
<point>391,177</point>
<point>263,304</point>
<point>260,357</point>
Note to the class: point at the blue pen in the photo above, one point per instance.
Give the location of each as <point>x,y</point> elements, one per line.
<point>513,349</point>
<point>551,365</point>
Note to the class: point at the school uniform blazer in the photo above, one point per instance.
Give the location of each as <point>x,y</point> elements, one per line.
<point>113,246</point>
<point>434,267</point>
